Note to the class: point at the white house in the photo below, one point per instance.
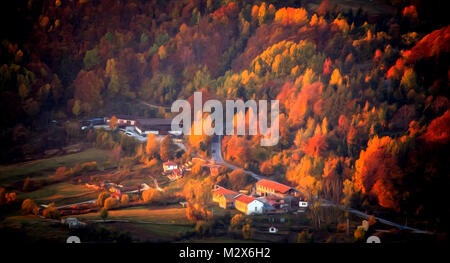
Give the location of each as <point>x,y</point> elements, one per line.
<point>273,230</point>
<point>248,205</point>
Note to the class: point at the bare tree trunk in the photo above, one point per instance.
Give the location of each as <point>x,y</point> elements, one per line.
<point>348,227</point>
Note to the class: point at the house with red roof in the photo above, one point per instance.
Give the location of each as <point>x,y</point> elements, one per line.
<point>266,187</point>
<point>219,191</point>
<point>248,205</point>
<point>169,166</point>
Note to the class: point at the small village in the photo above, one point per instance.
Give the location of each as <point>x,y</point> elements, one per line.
<point>263,209</point>
<point>268,197</point>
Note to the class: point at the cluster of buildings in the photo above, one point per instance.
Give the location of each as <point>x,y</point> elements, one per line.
<point>142,126</point>
<point>270,197</point>
<point>173,172</point>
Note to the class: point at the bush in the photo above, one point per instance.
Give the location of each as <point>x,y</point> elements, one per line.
<point>51,212</point>
<point>247,231</point>
<point>104,213</point>
<point>111,203</point>
<point>102,197</point>
<point>204,228</point>
<point>237,179</point>
<point>89,166</point>
<point>124,200</point>
<point>151,195</point>
<point>29,206</point>
<point>342,227</point>
<point>304,237</point>
<point>359,233</point>
<point>236,221</point>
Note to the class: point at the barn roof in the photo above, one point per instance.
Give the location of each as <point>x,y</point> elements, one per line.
<point>245,199</point>
<point>169,163</point>
<point>126,117</point>
<point>221,190</point>
<point>277,187</point>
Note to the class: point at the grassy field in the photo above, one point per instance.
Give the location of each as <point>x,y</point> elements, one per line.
<point>161,215</point>
<point>34,229</point>
<point>61,194</point>
<point>45,167</point>
<point>148,224</point>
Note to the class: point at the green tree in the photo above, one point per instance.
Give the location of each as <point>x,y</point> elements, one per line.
<point>91,59</point>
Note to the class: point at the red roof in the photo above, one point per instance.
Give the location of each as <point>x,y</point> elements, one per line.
<point>221,190</point>
<point>281,188</point>
<point>169,163</point>
<point>245,199</point>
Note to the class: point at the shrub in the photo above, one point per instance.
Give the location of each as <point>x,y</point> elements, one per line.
<point>102,197</point>
<point>359,234</point>
<point>204,228</point>
<point>104,213</point>
<point>111,203</point>
<point>29,206</point>
<point>342,227</point>
<point>51,212</point>
<point>247,231</point>
<point>125,200</point>
<point>304,237</point>
<point>151,195</point>
<point>236,221</point>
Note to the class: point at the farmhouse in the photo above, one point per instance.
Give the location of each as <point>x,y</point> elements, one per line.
<point>153,125</point>
<point>169,166</point>
<point>266,187</point>
<point>219,191</point>
<point>226,201</point>
<point>248,205</point>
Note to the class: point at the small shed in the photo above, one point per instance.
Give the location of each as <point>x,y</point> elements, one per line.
<point>72,222</point>
<point>273,230</point>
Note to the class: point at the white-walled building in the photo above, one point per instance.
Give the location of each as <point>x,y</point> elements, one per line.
<point>248,205</point>
<point>169,166</point>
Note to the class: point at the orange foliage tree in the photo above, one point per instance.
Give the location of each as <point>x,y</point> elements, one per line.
<point>377,170</point>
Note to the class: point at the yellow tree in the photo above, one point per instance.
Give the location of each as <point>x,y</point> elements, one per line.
<point>336,78</point>
<point>113,123</point>
<point>152,145</point>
